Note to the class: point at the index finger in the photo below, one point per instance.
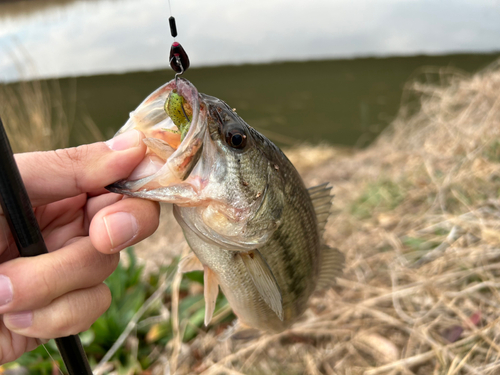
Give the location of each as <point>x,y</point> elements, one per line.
<point>54,175</point>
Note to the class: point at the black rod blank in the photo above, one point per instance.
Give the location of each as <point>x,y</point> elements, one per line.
<point>19,213</point>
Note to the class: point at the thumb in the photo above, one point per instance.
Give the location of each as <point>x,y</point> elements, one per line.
<point>54,175</point>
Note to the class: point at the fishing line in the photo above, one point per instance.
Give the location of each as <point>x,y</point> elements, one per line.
<point>50,355</point>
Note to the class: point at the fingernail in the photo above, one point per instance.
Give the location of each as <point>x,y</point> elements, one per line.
<point>121,228</point>
<point>22,319</point>
<point>125,141</point>
<point>6,291</point>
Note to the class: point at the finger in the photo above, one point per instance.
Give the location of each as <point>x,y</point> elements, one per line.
<point>123,224</point>
<point>62,220</point>
<point>67,315</point>
<point>6,240</point>
<point>53,175</point>
<point>95,204</point>
<point>68,218</point>
<point>12,345</point>
<point>31,283</point>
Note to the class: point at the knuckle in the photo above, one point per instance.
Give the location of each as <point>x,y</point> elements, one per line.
<point>105,297</point>
<point>106,264</point>
<point>74,158</point>
<point>82,313</point>
<point>112,261</point>
<point>46,287</point>
<point>99,300</point>
<point>75,155</point>
<point>67,320</point>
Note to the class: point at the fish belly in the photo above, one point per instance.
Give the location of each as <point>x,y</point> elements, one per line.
<point>236,284</point>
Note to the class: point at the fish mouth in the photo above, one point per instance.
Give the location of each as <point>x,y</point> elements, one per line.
<point>169,159</point>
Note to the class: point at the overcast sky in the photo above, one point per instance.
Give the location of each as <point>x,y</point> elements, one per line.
<point>127,35</point>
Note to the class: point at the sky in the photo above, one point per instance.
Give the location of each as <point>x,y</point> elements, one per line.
<point>111,36</point>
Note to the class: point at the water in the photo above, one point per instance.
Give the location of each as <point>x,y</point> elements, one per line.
<point>347,102</point>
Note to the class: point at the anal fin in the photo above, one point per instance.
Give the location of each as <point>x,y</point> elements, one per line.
<point>190,263</point>
<point>211,290</point>
<point>264,280</point>
<point>332,264</point>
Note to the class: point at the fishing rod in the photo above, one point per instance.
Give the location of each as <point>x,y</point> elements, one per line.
<point>19,213</point>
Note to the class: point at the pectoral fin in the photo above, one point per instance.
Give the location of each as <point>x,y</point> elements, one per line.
<point>190,263</point>
<point>211,291</point>
<point>264,280</point>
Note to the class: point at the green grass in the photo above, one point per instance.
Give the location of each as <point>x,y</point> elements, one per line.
<point>381,196</point>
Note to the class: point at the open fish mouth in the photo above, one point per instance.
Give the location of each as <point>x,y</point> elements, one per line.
<point>173,149</point>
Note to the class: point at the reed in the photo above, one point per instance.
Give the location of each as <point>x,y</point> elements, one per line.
<point>39,117</point>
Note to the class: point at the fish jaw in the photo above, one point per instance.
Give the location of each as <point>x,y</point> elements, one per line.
<point>163,140</point>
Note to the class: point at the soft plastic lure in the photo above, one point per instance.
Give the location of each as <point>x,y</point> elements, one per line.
<point>180,112</point>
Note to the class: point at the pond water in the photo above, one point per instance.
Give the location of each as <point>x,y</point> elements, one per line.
<point>345,102</point>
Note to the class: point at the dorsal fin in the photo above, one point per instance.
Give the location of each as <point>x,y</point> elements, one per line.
<point>332,260</point>
<point>322,202</point>
<point>332,264</point>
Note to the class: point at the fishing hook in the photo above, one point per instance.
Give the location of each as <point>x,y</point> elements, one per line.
<point>179,64</point>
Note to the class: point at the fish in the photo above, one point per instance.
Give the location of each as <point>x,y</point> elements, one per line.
<point>253,227</point>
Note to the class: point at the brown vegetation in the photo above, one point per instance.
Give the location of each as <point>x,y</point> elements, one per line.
<point>417,215</point>
<point>37,117</point>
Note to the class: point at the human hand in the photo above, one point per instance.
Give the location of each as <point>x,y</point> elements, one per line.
<point>84,226</point>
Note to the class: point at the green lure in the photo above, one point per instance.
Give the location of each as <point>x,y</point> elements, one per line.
<point>180,112</point>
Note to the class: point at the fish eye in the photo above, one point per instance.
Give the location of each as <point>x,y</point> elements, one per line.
<point>236,137</point>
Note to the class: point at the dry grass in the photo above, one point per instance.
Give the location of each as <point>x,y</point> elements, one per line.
<point>38,117</point>
<point>28,111</point>
<point>417,215</point>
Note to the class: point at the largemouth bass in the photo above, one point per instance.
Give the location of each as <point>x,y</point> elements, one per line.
<point>254,228</point>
